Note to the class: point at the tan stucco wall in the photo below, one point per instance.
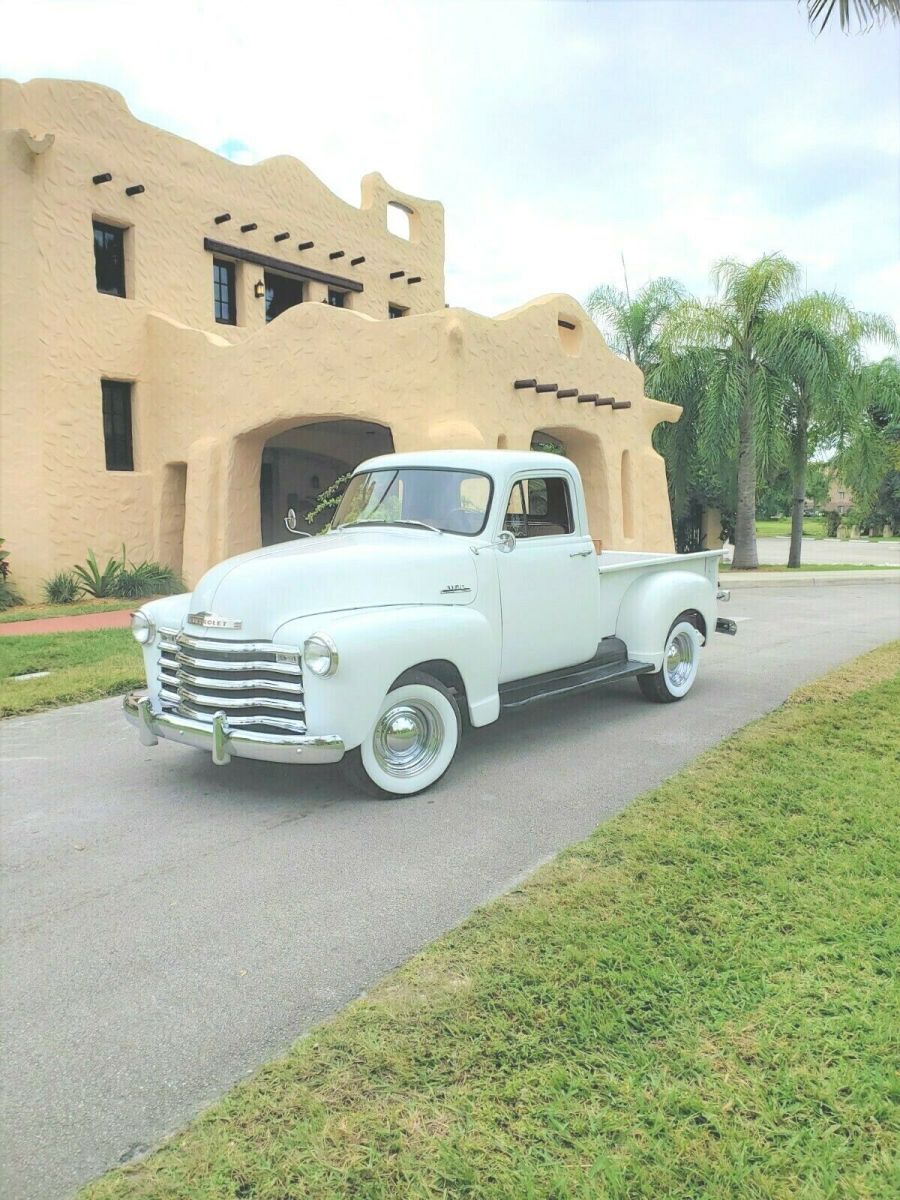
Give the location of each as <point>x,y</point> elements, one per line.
<point>207,396</point>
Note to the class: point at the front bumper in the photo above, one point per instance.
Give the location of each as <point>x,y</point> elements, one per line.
<point>223,742</point>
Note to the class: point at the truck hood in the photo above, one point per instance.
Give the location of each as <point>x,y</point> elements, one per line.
<point>366,568</point>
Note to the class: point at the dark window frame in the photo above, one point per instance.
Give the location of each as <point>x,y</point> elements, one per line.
<point>291,281</point>
<point>337,297</point>
<point>229,298</point>
<point>119,232</point>
<point>395,311</point>
<point>118,423</point>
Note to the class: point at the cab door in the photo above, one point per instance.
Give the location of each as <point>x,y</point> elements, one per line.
<point>549,581</point>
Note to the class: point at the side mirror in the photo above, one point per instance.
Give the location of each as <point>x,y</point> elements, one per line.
<point>290,524</point>
<point>505,541</point>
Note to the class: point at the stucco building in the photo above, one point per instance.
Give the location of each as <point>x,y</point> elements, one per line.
<point>189,346</point>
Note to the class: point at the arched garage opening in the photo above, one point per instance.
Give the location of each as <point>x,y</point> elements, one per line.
<point>586,452</point>
<point>300,463</point>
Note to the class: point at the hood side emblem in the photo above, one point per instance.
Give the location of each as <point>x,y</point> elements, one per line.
<point>452,588</point>
<point>210,621</point>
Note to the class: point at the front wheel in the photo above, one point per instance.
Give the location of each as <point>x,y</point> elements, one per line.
<point>412,743</point>
<point>676,676</point>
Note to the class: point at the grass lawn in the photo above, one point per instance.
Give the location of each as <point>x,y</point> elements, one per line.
<point>781,527</point>
<point>818,567</point>
<point>83,666</point>
<point>37,612</point>
<point>699,1001</point>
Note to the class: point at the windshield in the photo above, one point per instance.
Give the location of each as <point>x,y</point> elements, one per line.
<point>450,501</point>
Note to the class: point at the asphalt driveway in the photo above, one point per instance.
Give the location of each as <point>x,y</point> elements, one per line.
<point>168,925</point>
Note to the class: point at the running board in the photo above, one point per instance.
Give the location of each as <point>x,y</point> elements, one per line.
<point>566,683</point>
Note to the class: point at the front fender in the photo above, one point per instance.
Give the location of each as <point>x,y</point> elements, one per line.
<point>168,612</point>
<point>376,645</point>
<point>653,602</point>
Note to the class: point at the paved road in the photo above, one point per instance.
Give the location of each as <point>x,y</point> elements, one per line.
<point>168,925</point>
<point>774,551</point>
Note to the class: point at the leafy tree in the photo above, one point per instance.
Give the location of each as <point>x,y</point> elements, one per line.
<point>865,431</point>
<point>632,327</point>
<point>855,16</point>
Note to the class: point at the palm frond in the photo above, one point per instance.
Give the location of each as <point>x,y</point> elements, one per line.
<point>865,13</point>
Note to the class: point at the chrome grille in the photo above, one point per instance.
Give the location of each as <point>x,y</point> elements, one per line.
<point>199,677</point>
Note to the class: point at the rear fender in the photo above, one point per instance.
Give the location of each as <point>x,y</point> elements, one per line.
<point>652,603</point>
<point>375,646</point>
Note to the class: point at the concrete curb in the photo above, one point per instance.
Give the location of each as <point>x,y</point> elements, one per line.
<point>745,579</point>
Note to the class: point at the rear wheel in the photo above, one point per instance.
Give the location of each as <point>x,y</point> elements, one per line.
<point>676,676</point>
<point>412,743</point>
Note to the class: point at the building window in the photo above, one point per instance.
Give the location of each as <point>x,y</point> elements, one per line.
<point>109,259</point>
<point>394,310</point>
<point>117,425</point>
<point>337,299</point>
<point>224,297</point>
<point>282,292</point>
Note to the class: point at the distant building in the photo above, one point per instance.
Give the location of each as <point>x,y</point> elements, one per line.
<point>840,498</point>
<point>189,347</point>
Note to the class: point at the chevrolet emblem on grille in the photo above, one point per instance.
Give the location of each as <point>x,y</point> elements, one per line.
<point>211,621</point>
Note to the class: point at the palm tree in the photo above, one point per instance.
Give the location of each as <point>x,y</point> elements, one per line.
<point>823,394</point>
<point>863,426</point>
<point>865,13</point>
<point>632,327</point>
<point>745,345</point>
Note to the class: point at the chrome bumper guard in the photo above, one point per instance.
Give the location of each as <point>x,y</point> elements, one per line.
<point>223,742</point>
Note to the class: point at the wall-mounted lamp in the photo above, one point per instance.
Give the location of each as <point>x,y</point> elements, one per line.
<point>259,289</point>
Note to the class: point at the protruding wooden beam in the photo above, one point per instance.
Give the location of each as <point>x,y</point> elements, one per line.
<point>248,228</point>
<point>336,254</point>
<point>134,190</point>
<point>547,387</point>
<point>566,324</point>
<point>525,383</point>
<point>222,218</point>
<point>281,237</point>
<point>414,279</point>
<point>621,404</point>
<point>565,393</point>
<point>305,245</point>
<point>601,400</point>
<point>588,398</point>
<point>397,274</point>
<point>354,262</point>
<point>104,178</point>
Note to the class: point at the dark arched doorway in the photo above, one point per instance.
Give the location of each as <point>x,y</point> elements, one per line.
<point>300,463</point>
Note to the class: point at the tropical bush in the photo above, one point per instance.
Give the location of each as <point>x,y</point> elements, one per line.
<point>147,579</point>
<point>61,588</point>
<point>94,582</point>
<point>9,596</point>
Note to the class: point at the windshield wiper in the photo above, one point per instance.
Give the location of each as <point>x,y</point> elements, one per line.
<point>414,524</point>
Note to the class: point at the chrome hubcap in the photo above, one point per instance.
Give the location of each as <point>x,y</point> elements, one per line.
<point>679,660</point>
<point>407,738</point>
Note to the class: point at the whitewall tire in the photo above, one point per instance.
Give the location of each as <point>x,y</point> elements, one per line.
<point>681,659</point>
<point>412,743</point>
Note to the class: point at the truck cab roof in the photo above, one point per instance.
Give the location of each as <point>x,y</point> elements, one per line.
<point>499,464</point>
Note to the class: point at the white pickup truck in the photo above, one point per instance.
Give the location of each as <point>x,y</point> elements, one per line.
<point>451,586</point>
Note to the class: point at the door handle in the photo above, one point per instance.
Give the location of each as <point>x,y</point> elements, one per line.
<point>580,553</point>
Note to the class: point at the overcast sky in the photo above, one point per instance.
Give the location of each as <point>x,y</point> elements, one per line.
<point>559,134</point>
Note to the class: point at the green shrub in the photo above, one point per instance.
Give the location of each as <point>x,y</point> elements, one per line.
<point>61,588</point>
<point>9,595</point>
<point>94,582</point>
<point>147,579</point>
<point>832,523</point>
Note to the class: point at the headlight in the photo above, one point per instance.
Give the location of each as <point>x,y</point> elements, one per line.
<point>320,654</point>
<point>142,628</point>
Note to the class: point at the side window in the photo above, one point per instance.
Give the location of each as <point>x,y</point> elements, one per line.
<point>539,508</point>
<point>224,295</point>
